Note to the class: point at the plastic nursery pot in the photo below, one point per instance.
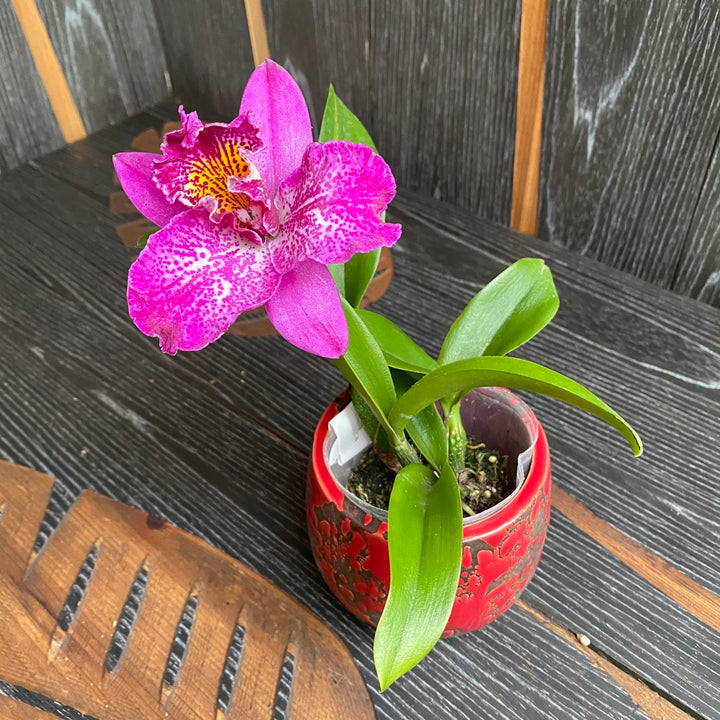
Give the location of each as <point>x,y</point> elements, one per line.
<point>501,546</point>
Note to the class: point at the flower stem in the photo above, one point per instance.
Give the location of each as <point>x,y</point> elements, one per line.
<point>457,439</point>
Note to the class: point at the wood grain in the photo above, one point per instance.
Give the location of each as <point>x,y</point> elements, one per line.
<point>209,53</point>
<point>217,441</point>
<point>632,115</point>
<point>649,702</point>
<point>110,54</point>
<point>698,273</point>
<point>68,118</point>
<point>327,683</point>
<point>199,438</point>
<point>528,133</point>
<point>703,604</point>
<point>14,710</point>
<point>28,125</point>
<point>443,89</point>
<point>258,34</point>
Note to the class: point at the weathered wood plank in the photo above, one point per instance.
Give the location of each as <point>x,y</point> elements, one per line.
<point>209,57</point>
<point>27,123</point>
<point>443,88</point>
<point>698,274</point>
<point>632,114</point>
<point>111,54</point>
<point>92,401</point>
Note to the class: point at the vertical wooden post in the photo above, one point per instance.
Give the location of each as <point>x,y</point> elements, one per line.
<point>528,133</point>
<point>51,74</point>
<point>258,33</point>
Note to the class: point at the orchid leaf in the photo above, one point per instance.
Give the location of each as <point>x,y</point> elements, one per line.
<point>463,375</point>
<point>506,313</point>
<point>425,547</point>
<point>364,366</point>
<point>337,270</point>
<point>372,425</point>
<point>339,123</point>
<point>400,350</point>
<point>426,429</point>
<point>359,271</point>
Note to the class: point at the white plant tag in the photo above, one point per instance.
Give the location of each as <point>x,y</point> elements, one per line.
<point>351,440</point>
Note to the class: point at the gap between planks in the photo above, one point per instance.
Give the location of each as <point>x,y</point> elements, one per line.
<point>688,593</point>
<point>655,706</point>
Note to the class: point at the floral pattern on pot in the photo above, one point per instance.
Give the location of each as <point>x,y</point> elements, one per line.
<point>500,550</point>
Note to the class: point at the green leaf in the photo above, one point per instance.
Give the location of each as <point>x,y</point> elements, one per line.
<point>143,239</point>
<point>359,271</point>
<point>463,375</point>
<point>338,275</point>
<point>339,123</point>
<point>506,313</point>
<point>426,429</point>
<point>370,422</point>
<point>425,546</point>
<point>400,351</point>
<point>364,366</point>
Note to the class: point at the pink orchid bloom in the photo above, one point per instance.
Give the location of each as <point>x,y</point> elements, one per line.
<point>251,214</point>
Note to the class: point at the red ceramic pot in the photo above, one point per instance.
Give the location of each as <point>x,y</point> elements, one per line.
<point>501,546</point>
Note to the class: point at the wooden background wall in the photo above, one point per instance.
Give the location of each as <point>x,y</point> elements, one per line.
<point>69,67</point>
<point>629,171</point>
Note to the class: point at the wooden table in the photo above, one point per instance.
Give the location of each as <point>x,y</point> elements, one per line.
<point>622,618</point>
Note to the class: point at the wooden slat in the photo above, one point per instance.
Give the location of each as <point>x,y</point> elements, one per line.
<point>66,112</point>
<point>208,51</point>
<point>178,565</point>
<point>528,134</point>
<point>217,441</point>
<point>698,274</point>
<point>632,115</point>
<point>258,34</point>
<point>443,98</point>
<point>14,710</point>
<point>27,122</point>
<point>698,600</point>
<point>110,54</point>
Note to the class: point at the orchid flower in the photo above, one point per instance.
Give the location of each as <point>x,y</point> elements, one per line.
<point>251,213</point>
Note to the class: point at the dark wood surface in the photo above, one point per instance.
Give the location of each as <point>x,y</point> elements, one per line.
<point>217,442</point>
<point>111,56</point>
<point>110,53</point>
<point>632,119</point>
<point>27,124</point>
<point>446,127</point>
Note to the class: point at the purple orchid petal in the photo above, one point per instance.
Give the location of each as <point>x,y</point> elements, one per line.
<point>134,170</point>
<point>306,310</point>
<point>278,108</point>
<point>193,279</point>
<point>185,137</point>
<point>197,172</point>
<point>330,208</point>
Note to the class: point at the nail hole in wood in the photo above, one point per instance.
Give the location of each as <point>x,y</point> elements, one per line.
<point>126,621</point>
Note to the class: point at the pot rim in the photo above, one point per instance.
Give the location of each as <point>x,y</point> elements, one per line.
<point>532,485</point>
